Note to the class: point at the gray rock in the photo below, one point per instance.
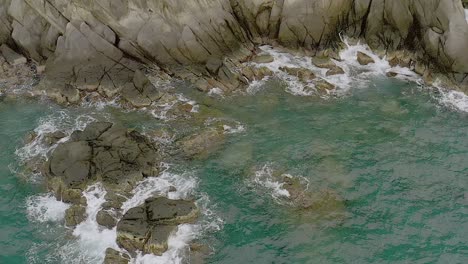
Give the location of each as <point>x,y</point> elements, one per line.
<point>203,143</point>
<point>167,211</point>
<point>11,56</point>
<point>75,215</point>
<point>106,218</point>
<point>263,58</point>
<point>116,257</point>
<point>157,241</point>
<point>335,70</point>
<point>364,59</point>
<point>147,227</point>
<point>323,62</point>
<point>71,162</point>
<point>304,75</point>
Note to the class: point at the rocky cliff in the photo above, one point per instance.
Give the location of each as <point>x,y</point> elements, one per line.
<point>99,45</point>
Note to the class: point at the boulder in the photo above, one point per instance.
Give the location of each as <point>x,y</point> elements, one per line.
<point>334,70</point>
<point>147,227</point>
<point>323,62</point>
<point>104,152</point>
<point>11,56</point>
<point>263,58</point>
<point>116,257</point>
<point>74,215</point>
<point>304,75</point>
<point>167,211</point>
<point>323,86</point>
<point>106,218</point>
<point>364,59</point>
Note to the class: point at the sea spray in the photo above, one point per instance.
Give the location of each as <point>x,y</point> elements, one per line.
<point>45,208</point>
<point>355,74</point>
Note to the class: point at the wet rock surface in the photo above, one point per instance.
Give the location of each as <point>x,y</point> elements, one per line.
<point>102,152</point>
<point>204,42</point>
<point>117,158</point>
<point>147,227</point>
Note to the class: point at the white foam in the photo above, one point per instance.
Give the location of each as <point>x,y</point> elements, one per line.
<point>466,15</point>
<point>45,208</point>
<point>216,92</point>
<point>92,239</point>
<point>264,177</point>
<point>239,128</point>
<point>59,121</point>
<point>184,184</point>
<point>178,248</point>
<point>453,99</point>
<point>355,74</point>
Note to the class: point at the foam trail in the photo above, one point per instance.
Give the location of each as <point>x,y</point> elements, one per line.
<point>59,121</point>
<point>93,240</point>
<point>355,74</point>
<point>45,208</point>
<point>452,99</point>
<point>466,15</point>
<point>264,177</point>
<point>153,186</point>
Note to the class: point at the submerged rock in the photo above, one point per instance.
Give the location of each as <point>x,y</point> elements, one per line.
<point>203,143</point>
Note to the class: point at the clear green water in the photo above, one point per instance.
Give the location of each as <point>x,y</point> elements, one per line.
<point>397,158</point>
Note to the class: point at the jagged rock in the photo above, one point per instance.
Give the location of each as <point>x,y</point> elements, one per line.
<point>141,92</point>
<point>106,218</point>
<point>75,215</point>
<point>391,74</point>
<point>335,70</point>
<point>102,151</point>
<point>166,211</point>
<point>323,86</point>
<point>87,55</point>
<point>148,226</point>
<point>157,240</point>
<point>364,59</point>
<point>54,137</point>
<point>71,162</point>
<point>203,143</point>
<point>304,75</point>
<point>73,196</point>
<point>11,56</point>
<point>116,257</point>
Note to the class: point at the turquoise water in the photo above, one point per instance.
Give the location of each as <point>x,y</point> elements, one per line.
<point>391,151</point>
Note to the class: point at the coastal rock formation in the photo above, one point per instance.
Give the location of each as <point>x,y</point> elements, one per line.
<point>101,152</point>
<point>101,45</point>
<point>117,158</point>
<point>147,227</point>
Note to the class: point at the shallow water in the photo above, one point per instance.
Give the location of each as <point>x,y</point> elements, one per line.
<point>396,154</point>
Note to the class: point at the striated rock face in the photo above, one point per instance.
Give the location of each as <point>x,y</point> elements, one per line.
<point>99,45</point>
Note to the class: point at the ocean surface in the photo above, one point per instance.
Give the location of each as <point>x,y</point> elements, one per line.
<point>394,151</point>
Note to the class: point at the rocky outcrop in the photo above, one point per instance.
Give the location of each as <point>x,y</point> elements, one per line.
<point>100,45</point>
<point>117,158</point>
<point>113,155</point>
<point>147,227</point>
